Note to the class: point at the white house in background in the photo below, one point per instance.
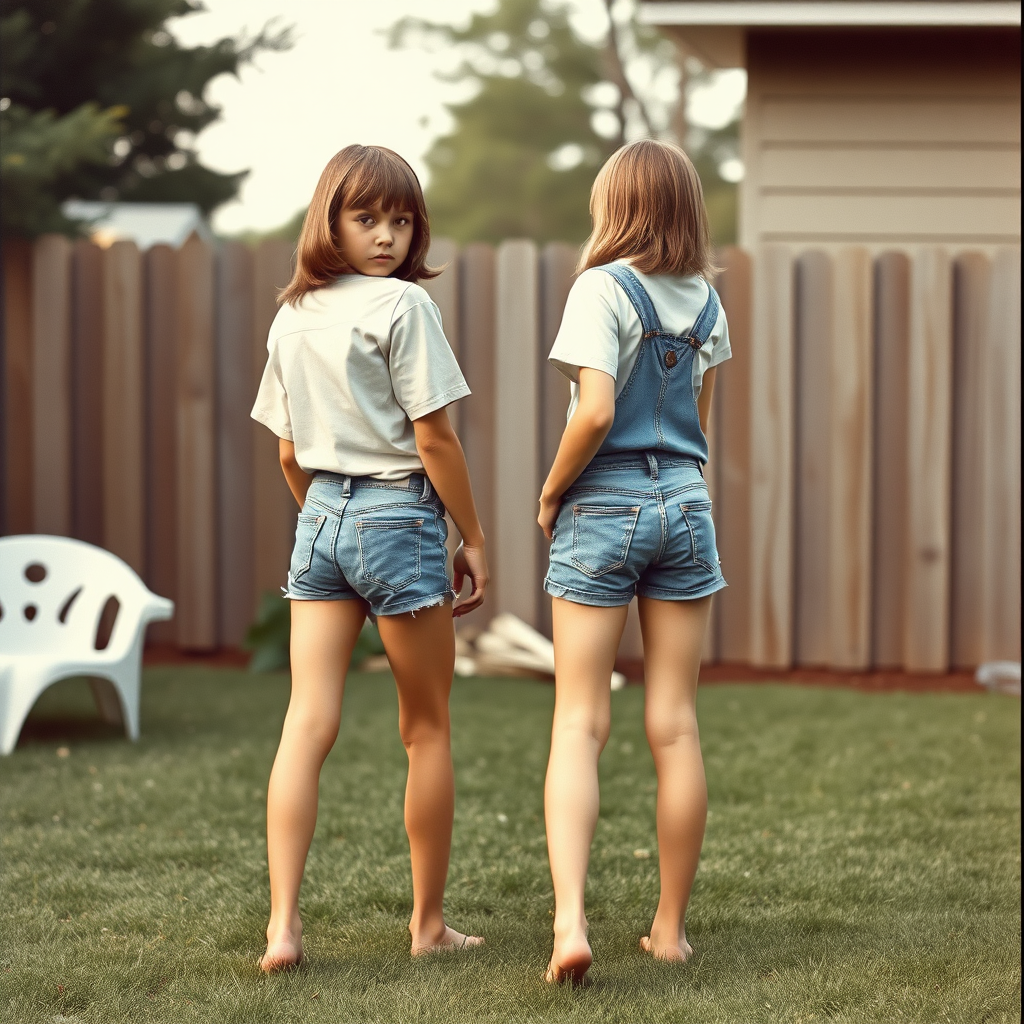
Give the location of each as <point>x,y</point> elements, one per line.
<point>869,121</point>
<point>145,224</point>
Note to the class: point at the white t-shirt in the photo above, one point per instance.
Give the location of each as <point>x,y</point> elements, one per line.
<point>349,368</point>
<point>601,330</point>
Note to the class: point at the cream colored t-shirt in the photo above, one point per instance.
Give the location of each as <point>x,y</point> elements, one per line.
<point>601,330</point>
<point>348,371</point>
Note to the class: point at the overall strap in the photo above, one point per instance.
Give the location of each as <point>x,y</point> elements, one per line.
<point>631,285</point>
<point>705,323</point>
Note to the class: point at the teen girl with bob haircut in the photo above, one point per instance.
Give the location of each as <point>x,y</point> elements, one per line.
<point>628,513</point>
<point>356,386</point>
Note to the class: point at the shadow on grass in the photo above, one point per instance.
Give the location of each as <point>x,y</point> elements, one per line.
<point>66,711</point>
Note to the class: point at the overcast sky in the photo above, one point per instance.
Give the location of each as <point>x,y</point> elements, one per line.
<point>340,83</point>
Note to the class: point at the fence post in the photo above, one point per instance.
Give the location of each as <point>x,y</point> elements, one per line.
<point>732,453</point>
<point>234,310</point>
<point>771,446</point>
<point>87,319</point>
<point>17,384</point>
<point>123,388</point>
<point>274,508</point>
<point>197,454</point>
<point>161,277</point>
<point>929,463</point>
<point>51,385</point>
<point>1000,499</point>
<point>557,270</point>
<point>815,321</point>
<point>891,452</point>
<point>517,451</point>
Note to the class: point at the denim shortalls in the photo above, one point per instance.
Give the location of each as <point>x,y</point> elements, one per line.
<point>638,518</point>
<point>379,540</point>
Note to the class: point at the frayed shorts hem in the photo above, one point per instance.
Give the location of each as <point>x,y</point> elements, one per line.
<point>417,604</point>
<point>617,600</point>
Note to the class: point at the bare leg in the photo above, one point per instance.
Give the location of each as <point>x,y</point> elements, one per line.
<point>673,633</point>
<point>586,640</point>
<point>323,635</point>
<point>421,649</point>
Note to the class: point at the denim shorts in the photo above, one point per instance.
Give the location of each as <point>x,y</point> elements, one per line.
<point>379,540</point>
<point>635,523</point>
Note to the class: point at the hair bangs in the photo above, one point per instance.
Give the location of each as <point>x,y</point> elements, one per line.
<point>357,177</point>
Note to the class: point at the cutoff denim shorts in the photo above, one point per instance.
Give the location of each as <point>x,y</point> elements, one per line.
<point>379,540</point>
<point>636,523</point>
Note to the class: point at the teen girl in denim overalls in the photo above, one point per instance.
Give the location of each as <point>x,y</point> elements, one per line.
<point>629,513</point>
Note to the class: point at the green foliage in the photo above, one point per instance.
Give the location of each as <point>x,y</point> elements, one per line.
<point>547,109</point>
<point>112,62</point>
<point>861,863</point>
<point>270,635</point>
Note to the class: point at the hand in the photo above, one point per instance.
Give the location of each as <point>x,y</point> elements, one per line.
<point>471,561</point>
<point>549,508</point>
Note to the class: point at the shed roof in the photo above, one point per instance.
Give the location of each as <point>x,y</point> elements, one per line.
<point>810,13</point>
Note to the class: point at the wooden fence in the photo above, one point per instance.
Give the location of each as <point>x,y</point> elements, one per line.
<point>865,439</point>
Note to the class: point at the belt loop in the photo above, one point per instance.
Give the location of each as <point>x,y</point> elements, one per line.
<point>427,489</point>
<point>346,487</point>
<point>652,465</point>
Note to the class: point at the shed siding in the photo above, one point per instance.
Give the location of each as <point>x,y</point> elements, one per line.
<point>882,138</point>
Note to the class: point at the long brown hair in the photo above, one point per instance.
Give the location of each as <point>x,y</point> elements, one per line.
<point>647,206</point>
<point>357,176</point>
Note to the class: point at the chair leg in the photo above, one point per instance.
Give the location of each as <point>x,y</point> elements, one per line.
<point>125,679</point>
<point>18,692</point>
<point>108,703</point>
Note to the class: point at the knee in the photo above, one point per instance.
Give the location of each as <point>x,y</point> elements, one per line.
<point>591,724</point>
<point>316,733</point>
<point>429,726</point>
<point>668,729</point>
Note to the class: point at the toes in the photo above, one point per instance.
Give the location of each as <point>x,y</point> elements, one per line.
<point>645,943</point>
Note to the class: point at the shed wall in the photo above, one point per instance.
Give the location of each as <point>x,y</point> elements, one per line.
<point>882,137</point>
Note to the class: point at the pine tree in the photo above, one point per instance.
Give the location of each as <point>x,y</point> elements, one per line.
<point>101,102</point>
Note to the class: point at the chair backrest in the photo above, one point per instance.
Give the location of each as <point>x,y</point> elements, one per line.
<point>53,591</point>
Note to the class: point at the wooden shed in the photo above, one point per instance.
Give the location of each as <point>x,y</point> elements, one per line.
<point>869,122</point>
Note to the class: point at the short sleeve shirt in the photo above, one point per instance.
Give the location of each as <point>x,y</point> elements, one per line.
<point>601,330</point>
<point>348,370</point>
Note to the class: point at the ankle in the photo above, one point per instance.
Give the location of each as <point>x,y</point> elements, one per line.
<point>284,926</point>
<point>571,924</point>
<point>427,927</point>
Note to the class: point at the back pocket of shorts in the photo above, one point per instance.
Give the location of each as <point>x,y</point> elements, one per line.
<point>389,551</point>
<point>601,536</point>
<point>307,529</point>
<point>697,516</point>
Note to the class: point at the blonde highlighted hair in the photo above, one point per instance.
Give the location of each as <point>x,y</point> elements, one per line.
<point>356,177</point>
<point>647,206</point>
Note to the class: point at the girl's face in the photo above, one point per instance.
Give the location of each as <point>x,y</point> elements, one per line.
<point>373,241</point>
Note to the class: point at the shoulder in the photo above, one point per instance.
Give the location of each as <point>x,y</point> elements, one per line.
<point>408,295</point>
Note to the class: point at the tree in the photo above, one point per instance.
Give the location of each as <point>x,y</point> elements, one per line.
<point>548,107</point>
<point>100,101</point>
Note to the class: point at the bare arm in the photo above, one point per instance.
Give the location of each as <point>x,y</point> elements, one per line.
<point>298,479</point>
<point>583,435</point>
<point>445,465</point>
<point>707,389</point>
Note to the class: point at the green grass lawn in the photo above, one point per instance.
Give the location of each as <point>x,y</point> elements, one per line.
<point>862,862</point>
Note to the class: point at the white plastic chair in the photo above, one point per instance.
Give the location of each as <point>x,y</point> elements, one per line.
<point>53,591</point>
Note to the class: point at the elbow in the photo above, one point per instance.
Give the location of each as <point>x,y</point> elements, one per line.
<point>287,460</point>
<point>599,421</point>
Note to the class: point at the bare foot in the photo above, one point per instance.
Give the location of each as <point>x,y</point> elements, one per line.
<point>678,953</point>
<point>570,959</point>
<point>284,949</point>
<point>450,941</point>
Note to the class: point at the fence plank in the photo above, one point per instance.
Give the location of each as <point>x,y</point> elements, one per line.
<point>17,385</point>
<point>557,269</point>
<point>929,463</point>
<point>234,312</point>
<point>889,516</point>
<point>477,417</point>
<point>772,464</point>
<point>517,451</point>
<point>124,481</point>
<point>161,291</point>
<point>851,438</point>
<point>972,282</point>
<point>732,514</point>
<point>274,508</point>
<point>1000,499</point>
<point>815,322</point>
<point>87,391</point>
<point>51,385</point>
<point>197,449</point>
